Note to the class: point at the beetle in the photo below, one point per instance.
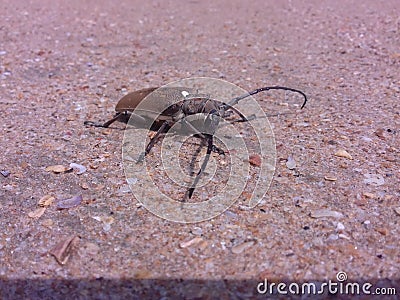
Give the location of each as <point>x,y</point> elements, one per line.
<point>170,105</point>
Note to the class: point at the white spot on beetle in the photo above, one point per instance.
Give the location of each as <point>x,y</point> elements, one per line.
<point>185,93</point>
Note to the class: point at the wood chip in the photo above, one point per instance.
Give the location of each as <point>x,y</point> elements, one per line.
<point>37,213</point>
<point>58,169</point>
<point>322,213</point>
<point>343,153</point>
<point>330,178</point>
<point>237,249</point>
<point>397,210</point>
<point>63,250</point>
<point>46,201</point>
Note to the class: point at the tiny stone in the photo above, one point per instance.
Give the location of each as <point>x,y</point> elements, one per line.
<point>194,241</point>
<point>343,153</point>
<point>91,249</point>
<point>70,202</point>
<point>397,210</point>
<point>124,189</point>
<point>37,213</point>
<point>343,236</point>
<point>57,169</point>
<point>5,173</point>
<point>330,178</point>
<point>321,213</point>
<point>237,249</point>
<point>291,163</point>
<point>46,200</point>
<point>369,195</point>
<point>47,222</point>
<point>339,226</point>
<point>197,231</point>
<point>382,230</point>
<point>255,160</point>
<point>81,169</point>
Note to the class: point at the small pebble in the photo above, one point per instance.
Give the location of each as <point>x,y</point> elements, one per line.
<point>70,202</point>
<point>291,163</point>
<point>321,213</point>
<point>63,250</point>
<point>382,230</point>
<point>369,195</point>
<point>46,200</point>
<point>5,173</point>
<point>193,241</point>
<point>81,169</point>
<point>37,213</point>
<point>91,249</point>
<point>58,169</point>
<point>339,226</point>
<point>47,222</point>
<point>106,220</point>
<point>124,189</point>
<point>197,231</point>
<point>343,153</point>
<point>255,160</point>
<point>343,236</point>
<point>397,211</point>
<point>237,249</point>
<point>330,178</point>
<point>381,133</point>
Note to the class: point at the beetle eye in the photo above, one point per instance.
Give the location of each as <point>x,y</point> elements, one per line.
<point>185,93</point>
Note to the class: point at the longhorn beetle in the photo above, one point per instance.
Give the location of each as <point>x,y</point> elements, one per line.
<point>172,105</point>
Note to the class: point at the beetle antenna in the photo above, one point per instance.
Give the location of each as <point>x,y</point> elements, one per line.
<point>236,100</point>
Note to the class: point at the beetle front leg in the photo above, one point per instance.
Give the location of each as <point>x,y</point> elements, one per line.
<point>210,143</point>
<point>163,129</point>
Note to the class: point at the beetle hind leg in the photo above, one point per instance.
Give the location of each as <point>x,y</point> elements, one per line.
<point>106,124</point>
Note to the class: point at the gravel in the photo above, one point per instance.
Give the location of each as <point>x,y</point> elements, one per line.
<point>65,62</point>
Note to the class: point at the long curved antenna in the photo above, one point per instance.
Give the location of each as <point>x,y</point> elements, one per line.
<point>235,101</point>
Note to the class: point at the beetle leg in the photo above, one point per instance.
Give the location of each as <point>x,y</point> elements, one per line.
<point>106,124</point>
<point>163,129</point>
<point>189,192</point>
